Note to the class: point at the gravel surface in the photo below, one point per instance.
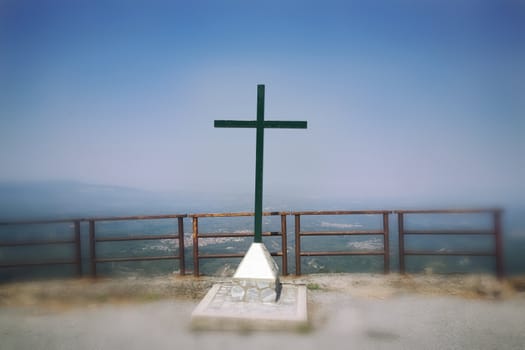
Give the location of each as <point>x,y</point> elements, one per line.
<point>346,311</point>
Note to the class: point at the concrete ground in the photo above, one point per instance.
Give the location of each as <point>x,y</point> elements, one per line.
<point>343,314</point>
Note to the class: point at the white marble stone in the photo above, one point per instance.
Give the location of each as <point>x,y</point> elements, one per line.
<point>257,264</point>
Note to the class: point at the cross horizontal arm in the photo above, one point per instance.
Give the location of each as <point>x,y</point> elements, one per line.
<point>280,124</point>
<point>268,124</point>
<point>235,124</point>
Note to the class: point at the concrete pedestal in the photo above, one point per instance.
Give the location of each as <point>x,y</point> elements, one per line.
<point>219,311</point>
<point>254,299</point>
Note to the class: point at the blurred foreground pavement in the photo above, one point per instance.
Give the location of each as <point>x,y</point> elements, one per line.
<point>347,311</point>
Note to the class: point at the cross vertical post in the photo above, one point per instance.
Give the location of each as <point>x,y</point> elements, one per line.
<point>260,124</point>
<point>259,158</point>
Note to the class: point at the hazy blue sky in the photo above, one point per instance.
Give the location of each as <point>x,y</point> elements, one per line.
<point>420,98</point>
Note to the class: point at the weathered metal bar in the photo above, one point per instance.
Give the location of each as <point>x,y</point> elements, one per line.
<point>297,244</point>
<point>195,237</point>
<point>341,233</point>
<point>136,238</point>
<point>32,243</point>
<point>137,217</point>
<point>235,235</point>
<point>451,253</point>
<point>448,232</point>
<point>401,228</point>
<point>174,216</point>
<point>36,222</point>
<point>386,243</point>
<point>92,251</point>
<point>236,214</point>
<point>217,256</point>
<point>284,245</point>
<point>500,271</point>
<point>341,212</point>
<point>232,255</point>
<point>39,263</point>
<point>448,211</point>
<point>109,218</point>
<point>78,248</point>
<point>136,258</point>
<point>182,257</point>
<point>324,253</point>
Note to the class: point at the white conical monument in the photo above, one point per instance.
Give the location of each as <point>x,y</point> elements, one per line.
<point>257,277</point>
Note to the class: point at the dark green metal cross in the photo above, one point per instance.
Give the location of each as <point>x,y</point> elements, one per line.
<point>260,124</point>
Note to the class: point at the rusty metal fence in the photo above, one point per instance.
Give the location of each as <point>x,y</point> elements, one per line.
<point>74,241</point>
<point>197,236</point>
<point>95,239</point>
<point>494,231</point>
<point>299,233</point>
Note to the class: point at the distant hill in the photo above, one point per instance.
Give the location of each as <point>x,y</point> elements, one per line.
<point>21,200</point>
<point>63,199</point>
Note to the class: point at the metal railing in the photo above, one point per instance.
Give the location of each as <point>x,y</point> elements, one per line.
<point>494,231</point>
<point>95,239</point>
<point>198,236</point>
<point>75,241</point>
<point>384,232</point>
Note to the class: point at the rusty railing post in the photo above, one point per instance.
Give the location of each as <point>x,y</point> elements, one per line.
<point>386,243</point>
<point>401,231</point>
<point>500,272</point>
<point>78,249</point>
<point>182,262</point>
<point>297,245</point>
<point>195,236</point>
<point>284,244</point>
<point>92,252</point>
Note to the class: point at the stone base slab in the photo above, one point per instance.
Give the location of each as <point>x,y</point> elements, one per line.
<point>220,311</point>
<point>255,290</point>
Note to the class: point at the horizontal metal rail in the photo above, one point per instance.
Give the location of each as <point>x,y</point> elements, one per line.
<point>495,231</point>
<point>136,238</point>
<point>33,243</point>
<point>341,212</point>
<point>236,214</point>
<point>448,253</point>
<point>39,222</point>
<point>101,218</point>
<point>136,258</point>
<point>135,218</point>
<point>338,253</point>
<point>233,234</point>
<point>448,232</point>
<point>231,255</point>
<point>448,211</point>
<point>39,263</point>
<point>384,232</point>
<point>341,233</point>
